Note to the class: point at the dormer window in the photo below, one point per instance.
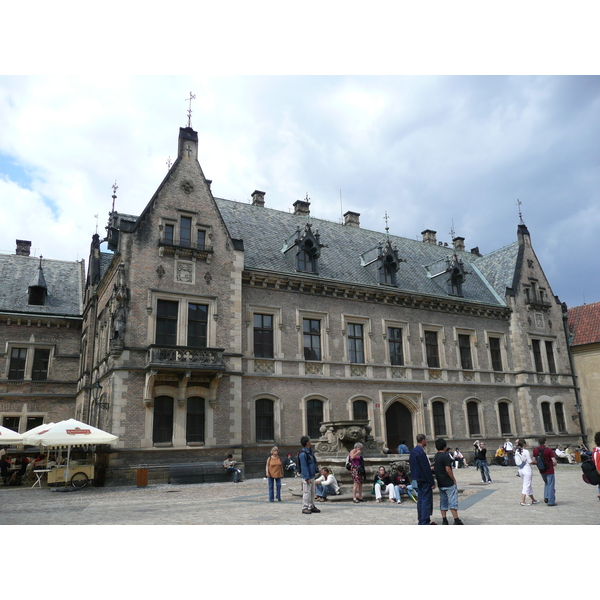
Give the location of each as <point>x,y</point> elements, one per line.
<point>382,263</point>
<point>388,271</point>
<point>307,258</point>
<point>456,276</point>
<point>38,289</point>
<point>308,249</point>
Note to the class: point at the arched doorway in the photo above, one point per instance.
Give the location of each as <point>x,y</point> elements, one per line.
<point>398,424</point>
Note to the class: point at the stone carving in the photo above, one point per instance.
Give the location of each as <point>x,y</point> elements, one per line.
<point>340,437</point>
<point>160,271</point>
<point>185,273</point>
<point>187,187</point>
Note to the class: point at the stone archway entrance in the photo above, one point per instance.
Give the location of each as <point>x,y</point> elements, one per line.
<point>398,425</point>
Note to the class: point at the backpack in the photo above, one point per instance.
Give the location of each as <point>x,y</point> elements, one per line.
<point>541,463</point>
<point>519,459</point>
<point>590,475</point>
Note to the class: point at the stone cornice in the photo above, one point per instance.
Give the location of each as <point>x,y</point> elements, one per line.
<point>363,293</point>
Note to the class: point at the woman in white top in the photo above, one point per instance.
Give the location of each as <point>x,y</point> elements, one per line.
<point>524,461</point>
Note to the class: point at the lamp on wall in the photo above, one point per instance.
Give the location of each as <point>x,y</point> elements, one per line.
<point>96,390</point>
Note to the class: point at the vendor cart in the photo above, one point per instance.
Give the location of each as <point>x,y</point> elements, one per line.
<point>78,476</point>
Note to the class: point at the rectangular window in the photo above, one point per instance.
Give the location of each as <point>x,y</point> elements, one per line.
<point>169,234</point>
<point>162,429</point>
<point>263,336</point>
<point>473,416</point>
<point>547,417</point>
<point>18,356</point>
<point>197,325</point>
<point>439,419</point>
<point>356,351</point>
<point>34,422</point>
<point>431,347</point>
<point>312,339</point>
<point>185,231</point>
<point>201,242</point>
<point>265,420</point>
<point>166,322</point>
<point>395,345</point>
<point>550,357</point>
<point>11,423</point>
<point>194,428</point>
<point>464,345</point>
<point>496,354</point>
<point>560,417</point>
<point>41,358</point>
<point>537,355</point>
<point>504,418</point>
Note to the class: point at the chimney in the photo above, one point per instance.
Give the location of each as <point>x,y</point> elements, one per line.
<point>352,219</point>
<point>258,198</point>
<point>23,248</point>
<point>459,244</point>
<point>302,207</point>
<point>429,236</point>
<point>475,251</point>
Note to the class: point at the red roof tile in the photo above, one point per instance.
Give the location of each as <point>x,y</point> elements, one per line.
<point>584,324</point>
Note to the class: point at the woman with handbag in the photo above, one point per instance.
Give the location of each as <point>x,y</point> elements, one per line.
<point>524,461</point>
<point>357,471</point>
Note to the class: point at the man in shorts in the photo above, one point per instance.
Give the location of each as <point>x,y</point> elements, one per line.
<point>442,467</point>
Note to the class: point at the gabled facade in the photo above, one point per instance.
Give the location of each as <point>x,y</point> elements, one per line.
<point>215,325</point>
<point>40,335</point>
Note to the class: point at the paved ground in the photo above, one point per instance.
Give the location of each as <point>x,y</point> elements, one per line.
<point>247,503</point>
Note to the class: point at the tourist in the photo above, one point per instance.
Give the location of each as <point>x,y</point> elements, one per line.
<point>326,484</point>
<point>596,455</point>
<point>420,470</point>
<point>274,473</point>
<point>308,469</point>
<point>548,472</point>
<point>381,484</point>
<point>229,466</point>
<point>459,459</point>
<point>560,453</point>
<point>524,461</point>
<point>510,451</point>
<point>481,461</point>
<point>442,466</point>
<point>402,485</point>
<point>357,471</point>
<point>290,465</point>
<point>500,457</point>
<point>403,448</point>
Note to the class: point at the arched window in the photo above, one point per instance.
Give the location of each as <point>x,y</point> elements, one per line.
<point>504,413</point>
<point>194,429</point>
<point>439,419</point>
<point>560,417</point>
<point>473,418</point>
<point>314,418</point>
<point>265,420</point>
<point>360,410</point>
<point>547,417</point>
<point>162,428</point>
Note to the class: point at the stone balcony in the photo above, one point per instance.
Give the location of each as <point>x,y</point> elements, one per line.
<point>207,360</point>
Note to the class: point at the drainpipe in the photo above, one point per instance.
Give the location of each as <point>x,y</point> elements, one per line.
<point>565,316</point>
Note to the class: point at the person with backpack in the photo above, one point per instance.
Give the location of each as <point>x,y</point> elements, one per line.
<point>308,469</point>
<point>546,461</point>
<point>524,461</point>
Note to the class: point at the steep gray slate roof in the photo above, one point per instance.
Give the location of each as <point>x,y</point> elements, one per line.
<point>64,282</point>
<point>265,231</point>
<point>498,267</point>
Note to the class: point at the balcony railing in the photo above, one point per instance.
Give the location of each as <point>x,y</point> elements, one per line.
<point>183,243</point>
<point>210,359</point>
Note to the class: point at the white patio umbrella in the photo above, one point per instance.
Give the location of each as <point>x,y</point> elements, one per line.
<point>33,431</point>
<point>8,437</point>
<point>68,433</point>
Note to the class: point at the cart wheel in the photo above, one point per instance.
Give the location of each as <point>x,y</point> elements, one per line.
<point>79,480</point>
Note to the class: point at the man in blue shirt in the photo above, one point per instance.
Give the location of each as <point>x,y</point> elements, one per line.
<point>420,471</point>
<point>309,467</point>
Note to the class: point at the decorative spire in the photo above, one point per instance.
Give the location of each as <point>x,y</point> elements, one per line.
<point>387,229</point>
<point>168,163</point>
<point>452,232</point>
<point>192,97</point>
<point>519,203</point>
<point>115,187</point>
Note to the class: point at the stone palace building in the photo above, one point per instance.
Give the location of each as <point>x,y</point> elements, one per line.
<point>209,326</point>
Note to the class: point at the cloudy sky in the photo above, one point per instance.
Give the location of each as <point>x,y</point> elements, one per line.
<point>433,152</point>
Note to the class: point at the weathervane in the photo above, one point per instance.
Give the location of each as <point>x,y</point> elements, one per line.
<point>168,163</point>
<point>115,187</point>
<point>192,97</point>
<point>519,203</point>
<point>452,232</point>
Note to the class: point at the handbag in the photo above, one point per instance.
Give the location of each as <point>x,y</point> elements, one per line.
<point>348,464</point>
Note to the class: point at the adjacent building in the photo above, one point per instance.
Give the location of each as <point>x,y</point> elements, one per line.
<point>40,336</point>
<point>584,324</point>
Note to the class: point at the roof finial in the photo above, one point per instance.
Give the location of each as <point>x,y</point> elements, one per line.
<point>168,163</point>
<point>452,232</point>
<point>192,97</point>
<point>519,203</point>
<point>96,217</point>
<point>115,187</point>
<point>387,229</point>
